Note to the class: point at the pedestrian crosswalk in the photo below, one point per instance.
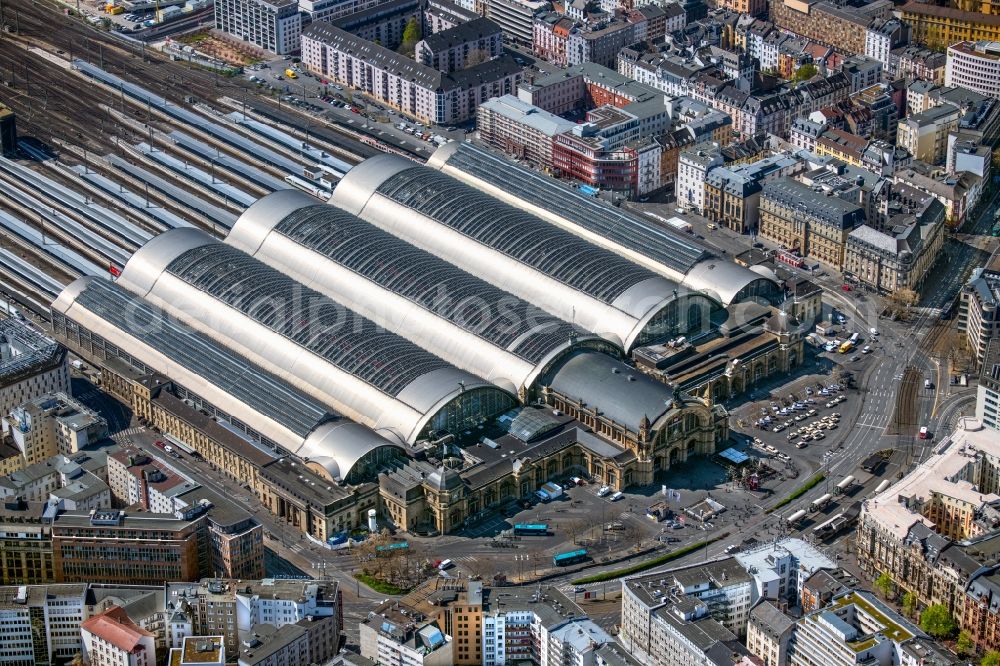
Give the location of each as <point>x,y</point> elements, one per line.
<point>127,432</point>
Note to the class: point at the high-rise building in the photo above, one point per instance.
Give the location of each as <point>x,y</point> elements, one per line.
<point>274,26</point>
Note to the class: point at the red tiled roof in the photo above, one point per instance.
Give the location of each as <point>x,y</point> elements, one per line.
<point>115,627</point>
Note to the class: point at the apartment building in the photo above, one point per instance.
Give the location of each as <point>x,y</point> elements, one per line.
<point>271,25</point>
<point>811,221</point>
<point>988,391</point>
<point>979,310</point>
<point>198,651</point>
<point>925,135</point>
<point>391,635</point>
<point>958,192</point>
<point>392,79</point>
<point>884,35</point>
<point>459,47</point>
<point>52,424</point>
<point>768,632</point>
<point>40,624</point>
<point>31,365</point>
<point>231,608</point>
<point>383,23</point>
<point>520,129</point>
<point>267,645</point>
<point>74,484</point>
<point>111,638</point>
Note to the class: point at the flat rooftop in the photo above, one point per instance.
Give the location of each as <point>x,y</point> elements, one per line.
<point>941,473</point>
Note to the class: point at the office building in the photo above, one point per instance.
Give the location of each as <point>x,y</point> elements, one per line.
<point>975,66</point>
<point>110,546</point>
<point>856,628</point>
<point>274,26</point>
<point>111,638</point>
<point>939,26</point>
<point>329,10</point>
<point>198,651</point>
<point>232,608</point>
<point>900,254</point>
<point>31,365</point>
<point>520,129</point>
<point>988,390</point>
<point>73,484</point>
<point>25,543</point>
<point>814,224</point>
<point>979,311</point>
<point>516,17</point>
<point>41,623</point>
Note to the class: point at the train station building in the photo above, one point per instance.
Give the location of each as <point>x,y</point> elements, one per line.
<point>418,333</point>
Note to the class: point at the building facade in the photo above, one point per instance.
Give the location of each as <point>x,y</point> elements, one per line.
<point>814,224</point>
<point>272,26</point>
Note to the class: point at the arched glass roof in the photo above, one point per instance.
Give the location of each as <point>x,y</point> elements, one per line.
<point>563,256</point>
<point>306,317</point>
<point>426,280</point>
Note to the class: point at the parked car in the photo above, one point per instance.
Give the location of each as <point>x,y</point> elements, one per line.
<point>617,496</point>
<point>604,491</point>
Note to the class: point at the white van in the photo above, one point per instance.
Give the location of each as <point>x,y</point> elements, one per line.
<point>927,384</point>
<point>446,564</point>
<point>874,332</point>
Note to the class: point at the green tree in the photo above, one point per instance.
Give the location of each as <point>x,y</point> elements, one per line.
<point>991,658</point>
<point>885,585</point>
<point>964,645</point>
<point>909,604</point>
<point>805,72</point>
<point>412,34</point>
<point>937,621</point>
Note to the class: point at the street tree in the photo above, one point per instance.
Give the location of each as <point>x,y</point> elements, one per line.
<point>937,621</point>
<point>964,645</point>
<point>885,585</point>
<point>909,604</point>
<point>991,658</point>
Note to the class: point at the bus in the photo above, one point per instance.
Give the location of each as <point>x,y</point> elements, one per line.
<point>882,486</point>
<point>290,73</point>
<point>829,527</point>
<point>531,529</point>
<point>846,346</point>
<point>796,517</point>
<point>854,338</point>
<point>572,557</point>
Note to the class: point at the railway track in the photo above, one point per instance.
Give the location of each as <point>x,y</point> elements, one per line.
<point>904,415</point>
